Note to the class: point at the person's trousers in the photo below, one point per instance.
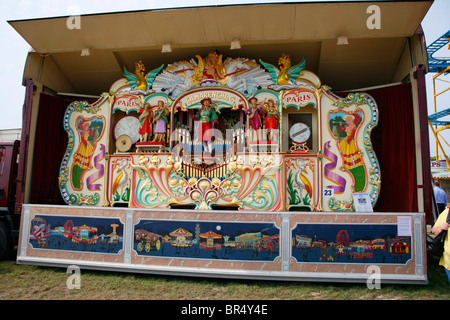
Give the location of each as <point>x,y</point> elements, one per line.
<point>441,207</point>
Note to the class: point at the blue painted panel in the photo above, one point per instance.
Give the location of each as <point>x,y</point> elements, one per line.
<point>359,243</point>
<point>207,240</point>
<point>86,234</point>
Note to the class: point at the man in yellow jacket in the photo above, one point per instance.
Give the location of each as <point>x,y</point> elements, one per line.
<point>440,225</point>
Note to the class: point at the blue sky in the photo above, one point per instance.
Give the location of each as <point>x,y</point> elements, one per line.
<point>14,49</point>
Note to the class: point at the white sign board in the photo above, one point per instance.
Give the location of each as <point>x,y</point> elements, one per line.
<point>362,202</point>
<point>403,226</point>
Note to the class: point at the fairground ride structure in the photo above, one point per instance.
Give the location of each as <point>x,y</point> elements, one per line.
<point>440,66</point>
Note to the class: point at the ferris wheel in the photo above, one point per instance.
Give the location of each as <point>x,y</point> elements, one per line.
<point>68,229</point>
<point>343,238</point>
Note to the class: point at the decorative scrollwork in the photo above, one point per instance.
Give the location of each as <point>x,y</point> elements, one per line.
<point>338,205</point>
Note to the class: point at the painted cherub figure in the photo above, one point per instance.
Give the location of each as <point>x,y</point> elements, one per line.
<point>213,67</point>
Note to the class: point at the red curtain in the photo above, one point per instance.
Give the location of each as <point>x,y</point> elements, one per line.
<point>49,147</point>
<point>394,144</point>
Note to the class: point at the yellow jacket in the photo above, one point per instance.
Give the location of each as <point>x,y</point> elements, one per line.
<point>445,259</point>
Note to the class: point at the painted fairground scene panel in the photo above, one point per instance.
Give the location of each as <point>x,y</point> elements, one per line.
<point>99,235</point>
<point>350,244</point>
<point>207,240</point>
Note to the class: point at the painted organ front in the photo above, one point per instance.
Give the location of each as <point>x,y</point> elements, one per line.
<point>214,133</point>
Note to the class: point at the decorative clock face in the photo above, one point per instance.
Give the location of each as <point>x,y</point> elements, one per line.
<point>299,132</point>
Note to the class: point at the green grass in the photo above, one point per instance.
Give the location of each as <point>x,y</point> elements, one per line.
<point>26,282</point>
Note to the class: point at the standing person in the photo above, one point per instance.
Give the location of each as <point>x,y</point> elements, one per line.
<point>440,195</point>
<point>440,225</point>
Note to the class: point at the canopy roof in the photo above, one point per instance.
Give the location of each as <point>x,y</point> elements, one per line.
<point>265,31</point>
<point>210,234</point>
<point>444,175</point>
<point>180,232</point>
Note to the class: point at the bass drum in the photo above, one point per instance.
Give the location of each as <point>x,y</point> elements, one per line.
<point>126,133</point>
<point>123,143</point>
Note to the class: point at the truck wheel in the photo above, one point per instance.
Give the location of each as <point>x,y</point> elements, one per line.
<point>5,241</point>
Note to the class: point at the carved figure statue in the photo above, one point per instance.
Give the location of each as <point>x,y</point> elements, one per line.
<point>139,71</point>
<point>207,116</point>
<point>140,80</point>
<point>234,69</point>
<point>241,74</point>
<point>211,69</point>
<point>285,74</point>
<point>271,119</point>
<point>160,119</point>
<point>254,113</point>
<point>175,79</point>
<point>145,120</point>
